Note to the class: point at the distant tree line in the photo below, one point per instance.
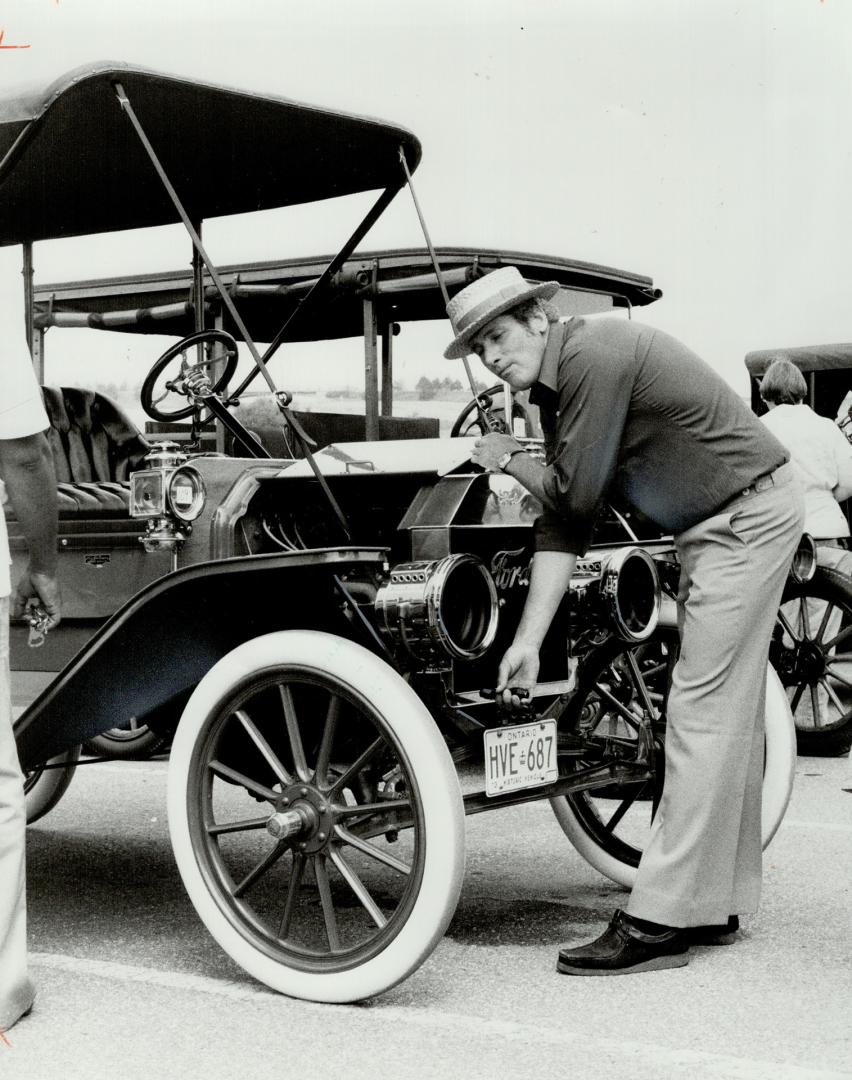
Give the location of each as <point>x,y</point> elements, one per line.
<point>432,388</point>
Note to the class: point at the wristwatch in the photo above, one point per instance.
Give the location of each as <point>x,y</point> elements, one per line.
<point>504,459</point>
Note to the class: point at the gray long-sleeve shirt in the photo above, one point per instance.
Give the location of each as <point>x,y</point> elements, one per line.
<point>631,413</point>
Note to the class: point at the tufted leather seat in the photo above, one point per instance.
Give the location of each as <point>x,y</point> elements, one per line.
<point>95,448</point>
<point>91,438</point>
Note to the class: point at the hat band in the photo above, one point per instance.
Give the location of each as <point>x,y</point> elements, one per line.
<point>494,300</point>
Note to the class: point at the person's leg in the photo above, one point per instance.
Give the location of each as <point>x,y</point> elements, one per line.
<point>702,862</point>
<point>16,990</point>
<point>703,855</point>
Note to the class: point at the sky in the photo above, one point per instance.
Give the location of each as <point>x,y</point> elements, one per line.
<point>707,144</point>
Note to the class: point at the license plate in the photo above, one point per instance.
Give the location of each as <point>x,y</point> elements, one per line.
<point>521,756</point>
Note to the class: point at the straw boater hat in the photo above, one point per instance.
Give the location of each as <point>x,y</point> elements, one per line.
<point>485,299</point>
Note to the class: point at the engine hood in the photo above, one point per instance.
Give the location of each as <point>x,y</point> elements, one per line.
<point>435,457</point>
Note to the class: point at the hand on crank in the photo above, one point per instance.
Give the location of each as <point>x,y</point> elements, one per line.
<point>518,694</point>
<point>517,675</point>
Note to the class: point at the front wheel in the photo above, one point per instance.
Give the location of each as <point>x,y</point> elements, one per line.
<point>609,825</point>
<point>316,816</point>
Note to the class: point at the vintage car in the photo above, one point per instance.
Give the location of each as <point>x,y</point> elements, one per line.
<point>377,316</point>
<point>809,649</point>
<point>318,603</point>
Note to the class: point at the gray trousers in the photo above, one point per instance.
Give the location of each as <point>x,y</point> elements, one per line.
<point>703,859</point>
<point>16,990</point>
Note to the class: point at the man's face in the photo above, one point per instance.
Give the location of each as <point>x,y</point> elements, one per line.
<point>512,350</point>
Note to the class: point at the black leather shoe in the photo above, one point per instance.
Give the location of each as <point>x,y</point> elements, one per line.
<point>624,948</point>
<point>715,934</point>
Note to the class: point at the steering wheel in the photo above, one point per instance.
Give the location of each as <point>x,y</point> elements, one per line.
<point>189,375</point>
<point>468,421</point>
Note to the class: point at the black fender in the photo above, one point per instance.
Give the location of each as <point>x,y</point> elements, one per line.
<point>156,647</point>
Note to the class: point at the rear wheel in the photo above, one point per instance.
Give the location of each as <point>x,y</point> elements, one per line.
<point>316,816</point>
<point>131,743</point>
<point>44,786</point>
<point>812,653</point>
<point>609,824</point>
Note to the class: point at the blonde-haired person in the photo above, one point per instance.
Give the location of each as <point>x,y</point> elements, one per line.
<point>822,457</point>
<point>819,451</point>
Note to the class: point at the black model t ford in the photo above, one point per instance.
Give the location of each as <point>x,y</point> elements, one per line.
<point>319,600</point>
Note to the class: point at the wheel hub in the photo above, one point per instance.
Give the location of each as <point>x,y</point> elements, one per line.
<point>810,662</point>
<point>304,818</point>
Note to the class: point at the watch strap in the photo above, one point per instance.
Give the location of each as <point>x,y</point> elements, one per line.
<point>504,459</point>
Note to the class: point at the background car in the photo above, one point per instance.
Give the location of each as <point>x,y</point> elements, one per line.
<point>811,649</point>
<point>365,367</point>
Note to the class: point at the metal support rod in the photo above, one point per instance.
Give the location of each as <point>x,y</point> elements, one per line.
<point>484,419</point>
<point>220,412</point>
<point>124,102</point>
<point>199,315</point>
<point>27,273</point>
<point>387,367</point>
<point>38,354</point>
<point>197,300</point>
<point>371,373</point>
<point>219,324</point>
<point>198,286</point>
<point>325,277</point>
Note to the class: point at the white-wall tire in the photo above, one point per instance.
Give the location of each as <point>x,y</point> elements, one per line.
<point>317,668</point>
<point>779,770</point>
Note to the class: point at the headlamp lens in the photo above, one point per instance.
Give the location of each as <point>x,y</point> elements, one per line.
<point>186,493</point>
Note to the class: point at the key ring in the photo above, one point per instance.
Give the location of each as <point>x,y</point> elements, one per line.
<point>39,620</point>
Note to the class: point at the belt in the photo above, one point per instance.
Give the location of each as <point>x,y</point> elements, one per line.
<point>760,484</point>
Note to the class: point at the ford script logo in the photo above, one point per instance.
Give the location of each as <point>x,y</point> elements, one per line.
<point>511,568</point>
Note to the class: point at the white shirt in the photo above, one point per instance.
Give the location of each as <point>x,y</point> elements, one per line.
<point>821,454</point>
<point>21,413</point>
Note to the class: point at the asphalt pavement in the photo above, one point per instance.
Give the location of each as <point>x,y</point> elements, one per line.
<point>130,985</point>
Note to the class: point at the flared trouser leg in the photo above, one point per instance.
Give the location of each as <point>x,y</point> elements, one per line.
<point>16,990</point>
<point>702,862</point>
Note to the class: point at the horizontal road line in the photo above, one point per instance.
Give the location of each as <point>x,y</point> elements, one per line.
<point>827,826</point>
<point>168,980</point>
<point>665,1059</point>
<point>145,767</point>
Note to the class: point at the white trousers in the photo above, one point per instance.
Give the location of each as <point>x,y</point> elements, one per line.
<point>16,990</point>
<point>703,859</point>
